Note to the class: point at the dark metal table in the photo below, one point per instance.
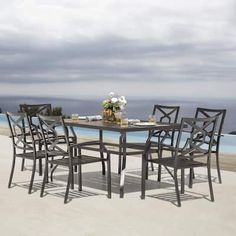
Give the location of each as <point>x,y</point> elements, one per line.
<point>123,130</point>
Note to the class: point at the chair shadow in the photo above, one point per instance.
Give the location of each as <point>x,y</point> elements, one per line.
<point>199,178</point>
<point>96,180</point>
<point>171,197</point>
<point>36,186</point>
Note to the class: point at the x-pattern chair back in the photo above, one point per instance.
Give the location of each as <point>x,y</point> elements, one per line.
<point>200,139</point>
<point>34,109</point>
<point>220,113</point>
<point>168,114</point>
<point>18,123</point>
<point>49,127</point>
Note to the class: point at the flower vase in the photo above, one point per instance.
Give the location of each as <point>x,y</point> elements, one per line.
<point>109,115</point>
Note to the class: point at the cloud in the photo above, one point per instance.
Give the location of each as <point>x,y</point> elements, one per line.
<point>117,43</point>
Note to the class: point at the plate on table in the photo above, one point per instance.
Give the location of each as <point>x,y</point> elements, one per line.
<point>145,124</point>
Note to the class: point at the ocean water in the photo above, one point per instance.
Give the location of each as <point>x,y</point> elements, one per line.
<point>136,108</point>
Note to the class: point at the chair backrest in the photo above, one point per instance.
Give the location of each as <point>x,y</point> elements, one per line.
<point>52,127</point>
<point>21,131</point>
<point>195,138</point>
<point>34,109</point>
<point>220,113</point>
<point>167,114</point>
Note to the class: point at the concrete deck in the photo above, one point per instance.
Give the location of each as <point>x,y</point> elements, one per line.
<point>91,213</point>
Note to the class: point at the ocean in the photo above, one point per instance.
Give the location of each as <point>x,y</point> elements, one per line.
<point>136,108</point>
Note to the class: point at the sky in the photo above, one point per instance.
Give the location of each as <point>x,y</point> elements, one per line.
<point>137,48</point>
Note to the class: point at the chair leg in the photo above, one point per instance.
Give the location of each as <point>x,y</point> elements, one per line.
<point>68,185</point>
<point>76,167</point>
<point>45,179</point>
<point>12,171</point>
<point>152,166</point>
<point>108,176</point>
<point>159,153</point>
<point>218,167</point>
<point>32,177</point>
<point>23,164</point>
<point>80,177</point>
<point>72,179</point>
<point>177,188</point>
<point>40,167</point>
<point>190,184</point>
<point>182,180</point>
<point>103,166</point>
<point>210,183</point>
<point>144,169</point>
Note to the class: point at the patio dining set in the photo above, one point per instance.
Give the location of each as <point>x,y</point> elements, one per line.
<point>177,146</point>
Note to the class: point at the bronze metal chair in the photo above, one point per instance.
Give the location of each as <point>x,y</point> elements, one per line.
<point>220,113</point>
<point>32,110</point>
<point>194,141</point>
<point>21,131</point>
<point>163,114</point>
<point>69,157</point>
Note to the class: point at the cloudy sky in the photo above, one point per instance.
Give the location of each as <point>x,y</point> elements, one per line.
<point>139,48</point>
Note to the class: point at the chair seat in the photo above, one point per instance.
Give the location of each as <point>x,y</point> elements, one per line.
<point>182,162</point>
<point>40,154</point>
<point>30,155</point>
<point>84,159</point>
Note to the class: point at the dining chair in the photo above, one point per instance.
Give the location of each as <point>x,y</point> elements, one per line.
<point>70,155</point>
<point>21,131</point>
<point>220,113</point>
<point>192,149</point>
<point>32,110</point>
<point>44,109</point>
<point>163,114</point>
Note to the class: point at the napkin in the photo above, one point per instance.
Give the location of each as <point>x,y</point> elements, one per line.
<point>93,118</point>
<point>133,121</point>
<point>82,117</point>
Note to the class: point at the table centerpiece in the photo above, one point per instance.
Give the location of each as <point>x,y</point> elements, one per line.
<point>113,106</point>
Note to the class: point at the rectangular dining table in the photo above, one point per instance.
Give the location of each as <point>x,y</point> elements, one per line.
<point>122,130</point>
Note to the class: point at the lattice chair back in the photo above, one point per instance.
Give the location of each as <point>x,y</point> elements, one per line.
<point>21,131</point>
<point>167,114</point>
<point>220,113</point>
<point>52,127</point>
<point>195,138</point>
<point>33,109</point>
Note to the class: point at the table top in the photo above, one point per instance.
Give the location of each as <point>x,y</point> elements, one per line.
<point>117,127</point>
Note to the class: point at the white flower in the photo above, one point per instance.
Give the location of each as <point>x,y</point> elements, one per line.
<point>114,100</point>
<point>123,100</point>
<point>111,94</point>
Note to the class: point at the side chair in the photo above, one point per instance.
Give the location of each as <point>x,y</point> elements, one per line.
<point>21,130</point>
<point>70,155</point>
<point>220,113</point>
<point>163,140</point>
<point>194,143</point>
<point>44,109</point>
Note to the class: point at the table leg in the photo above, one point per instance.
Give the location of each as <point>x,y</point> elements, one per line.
<point>182,181</point>
<point>101,153</point>
<point>122,176</point>
<point>120,154</point>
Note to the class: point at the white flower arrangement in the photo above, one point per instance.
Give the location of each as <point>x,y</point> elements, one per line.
<point>114,102</point>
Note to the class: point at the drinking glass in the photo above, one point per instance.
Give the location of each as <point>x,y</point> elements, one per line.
<point>74,116</point>
<point>152,119</point>
<point>124,122</point>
